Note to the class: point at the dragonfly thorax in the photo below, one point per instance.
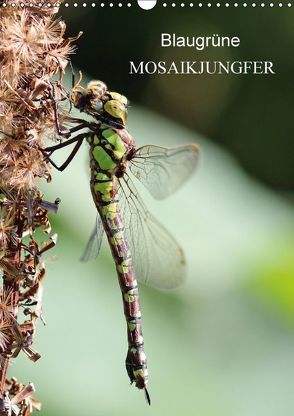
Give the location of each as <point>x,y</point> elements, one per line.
<point>108,151</point>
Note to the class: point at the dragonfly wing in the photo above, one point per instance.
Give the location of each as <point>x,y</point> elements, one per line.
<point>158,259</point>
<point>161,170</point>
<point>94,243</point>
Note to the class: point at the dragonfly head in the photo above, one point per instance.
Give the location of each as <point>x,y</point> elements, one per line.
<point>100,103</point>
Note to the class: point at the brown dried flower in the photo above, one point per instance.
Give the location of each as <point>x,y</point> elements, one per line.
<point>32,50</point>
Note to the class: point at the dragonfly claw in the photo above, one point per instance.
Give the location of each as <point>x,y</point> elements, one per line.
<point>147,397</point>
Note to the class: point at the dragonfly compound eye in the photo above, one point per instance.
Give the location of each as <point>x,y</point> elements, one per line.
<point>118,97</point>
<point>116,109</point>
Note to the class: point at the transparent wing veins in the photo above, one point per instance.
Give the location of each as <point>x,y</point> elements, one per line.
<point>94,243</point>
<point>157,257</point>
<point>163,170</point>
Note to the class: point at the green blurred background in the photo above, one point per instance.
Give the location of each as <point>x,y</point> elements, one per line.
<point>223,344</point>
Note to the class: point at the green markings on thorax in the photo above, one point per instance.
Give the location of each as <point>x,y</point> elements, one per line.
<point>115,143</point>
<point>108,149</point>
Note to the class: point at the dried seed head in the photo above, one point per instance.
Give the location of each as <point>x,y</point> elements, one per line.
<point>32,50</point>
<point>7,228</point>
<point>7,301</point>
<point>20,164</point>
<point>21,39</point>
<point>6,337</point>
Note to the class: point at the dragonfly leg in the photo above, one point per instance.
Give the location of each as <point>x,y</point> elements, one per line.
<point>52,96</point>
<point>83,124</point>
<point>58,146</point>
<point>48,151</point>
<point>70,157</point>
<point>63,133</point>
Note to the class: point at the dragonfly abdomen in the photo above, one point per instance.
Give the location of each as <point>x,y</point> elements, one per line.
<point>136,362</point>
<point>103,185</point>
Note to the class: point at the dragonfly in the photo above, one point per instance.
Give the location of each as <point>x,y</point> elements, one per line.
<point>141,247</point>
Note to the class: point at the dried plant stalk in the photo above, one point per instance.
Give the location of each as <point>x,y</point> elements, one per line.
<point>32,51</point>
